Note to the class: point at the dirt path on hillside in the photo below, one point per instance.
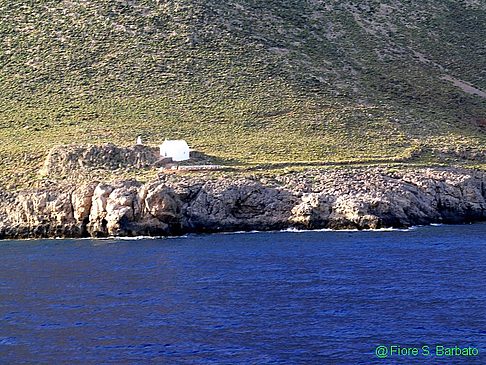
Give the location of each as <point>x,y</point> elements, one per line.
<point>466,87</point>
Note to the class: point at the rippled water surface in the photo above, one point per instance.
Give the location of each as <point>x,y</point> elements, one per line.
<point>256,298</point>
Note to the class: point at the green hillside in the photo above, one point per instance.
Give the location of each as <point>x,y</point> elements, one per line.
<point>247,81</point>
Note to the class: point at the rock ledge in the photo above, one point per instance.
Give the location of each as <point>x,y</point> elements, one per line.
<point>174,205</point>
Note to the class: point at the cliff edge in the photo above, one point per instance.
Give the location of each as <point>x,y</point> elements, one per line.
<point>177,204</point>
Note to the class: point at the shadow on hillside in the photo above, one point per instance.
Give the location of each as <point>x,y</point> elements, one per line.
<point>201,158</point>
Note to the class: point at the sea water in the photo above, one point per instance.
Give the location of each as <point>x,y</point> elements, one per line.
<point>257,298</point>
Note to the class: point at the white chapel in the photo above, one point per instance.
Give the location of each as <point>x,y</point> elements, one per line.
<point>178,149</point>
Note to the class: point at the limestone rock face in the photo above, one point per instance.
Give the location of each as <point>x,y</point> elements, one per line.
<point>176,204</point>
<point>81,199</point>
<point>241,204</point>
<point>313,211</point>
<point>375,198</point>
<point>39,214</point>
<point>97,225</point>
<point>162,203</point>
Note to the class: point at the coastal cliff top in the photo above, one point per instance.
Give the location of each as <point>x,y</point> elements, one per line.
<point>304,180</point>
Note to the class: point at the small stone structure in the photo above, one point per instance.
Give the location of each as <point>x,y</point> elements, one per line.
<point>64,160</point>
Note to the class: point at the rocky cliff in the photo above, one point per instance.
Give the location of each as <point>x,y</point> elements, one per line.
<point>177,204</point>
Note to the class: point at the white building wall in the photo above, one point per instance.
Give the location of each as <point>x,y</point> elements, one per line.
<point>178,150</point>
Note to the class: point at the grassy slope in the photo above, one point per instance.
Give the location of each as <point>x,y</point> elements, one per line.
<point>245,80</point>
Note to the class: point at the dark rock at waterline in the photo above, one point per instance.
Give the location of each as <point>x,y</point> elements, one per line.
<point>177,204</point>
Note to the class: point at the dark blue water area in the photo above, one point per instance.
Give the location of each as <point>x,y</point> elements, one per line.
<point>254,298</point>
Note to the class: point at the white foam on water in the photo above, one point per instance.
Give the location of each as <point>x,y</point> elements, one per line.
<point>288,230</point>
<point>296,230</point>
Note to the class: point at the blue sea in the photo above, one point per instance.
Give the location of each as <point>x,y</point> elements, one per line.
<point>319,297</point>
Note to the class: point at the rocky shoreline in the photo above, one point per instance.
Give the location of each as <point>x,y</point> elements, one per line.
<point>177,204</point>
